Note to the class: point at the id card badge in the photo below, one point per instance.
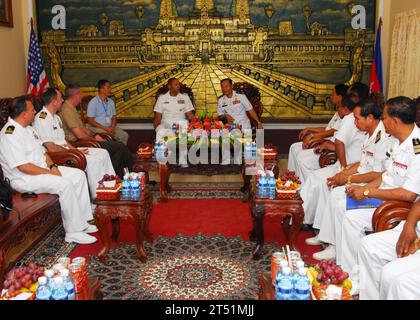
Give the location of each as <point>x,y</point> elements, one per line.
<point>108,120</point>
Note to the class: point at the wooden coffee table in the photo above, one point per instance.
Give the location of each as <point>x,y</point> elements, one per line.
<point>268,292</point>
<point>289,210</point>
<point>137,213</point>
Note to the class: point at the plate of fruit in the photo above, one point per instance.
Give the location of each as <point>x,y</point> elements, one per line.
<point>146,151</point>
<point>327,273</point>
<point>110,181</point>
<point>288,185</point>
<point>23,282</point>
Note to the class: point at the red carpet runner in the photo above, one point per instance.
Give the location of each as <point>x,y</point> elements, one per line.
<point>210,217</point>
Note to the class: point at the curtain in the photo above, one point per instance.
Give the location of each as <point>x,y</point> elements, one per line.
<point>405,56</point>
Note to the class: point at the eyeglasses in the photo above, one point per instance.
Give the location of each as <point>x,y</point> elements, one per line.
<point>28,195</point>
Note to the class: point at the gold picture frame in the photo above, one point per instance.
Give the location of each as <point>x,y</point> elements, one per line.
<point>6,13</point>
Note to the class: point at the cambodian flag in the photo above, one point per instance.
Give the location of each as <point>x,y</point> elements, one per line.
<point>376,78</point>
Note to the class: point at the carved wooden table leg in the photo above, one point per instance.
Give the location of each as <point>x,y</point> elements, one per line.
<point>101,222</point>
<point>259,214</point>
<point>297,222</point>
<point>138,220</point>
<point>115,230</point>
<point>164,180</point>
<point>148,215</point>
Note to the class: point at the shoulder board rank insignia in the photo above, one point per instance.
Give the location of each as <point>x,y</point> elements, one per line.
<point>10,130</point>
<point>416,145</point>
<point>378,137</point>
<point>43,115</point>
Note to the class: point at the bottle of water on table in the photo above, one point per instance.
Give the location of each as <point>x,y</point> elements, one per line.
<point>68,284</point>
<point>284,289</point>
<point>272,187</point>
<point>262,187</point>
<point>125,192</point>
<point>59,292</point>
<point>303,286</point>
<point>43,292</point>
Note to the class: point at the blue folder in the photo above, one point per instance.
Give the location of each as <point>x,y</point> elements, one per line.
<point>363,204</point>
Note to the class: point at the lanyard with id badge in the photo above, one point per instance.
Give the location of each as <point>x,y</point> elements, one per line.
<point>108,119</point>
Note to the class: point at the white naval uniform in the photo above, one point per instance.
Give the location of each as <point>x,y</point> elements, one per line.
<point>311,188</point>
<point>237,107</point>
<point>348,134</point>
<point>331,205</point>
<point>297,148</point>
<point>50,129</point>
<point>402,171</point>
<point>173,110</point>
<point>383,275</point>
<point>19,146</point>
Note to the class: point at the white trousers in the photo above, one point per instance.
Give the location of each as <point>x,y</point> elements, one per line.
<point>71,187</point>
<point>331,219</point>
<point>98,164</point>
<point>313,193</point>
<point>307,162</point>
<point>294,152</point>
<point>355,225</point>
<point>382,274</point>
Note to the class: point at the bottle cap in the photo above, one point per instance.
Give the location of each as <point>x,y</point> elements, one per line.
<point>303,271</point>
<point>300,264</point>
<point>42,280</point>
<point>49,273</point>
<point>64,272</point>
<point>287,270</point>
<point>284,263</point>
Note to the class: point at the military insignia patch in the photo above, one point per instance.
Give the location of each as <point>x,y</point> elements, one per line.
<point>10,130</point>
<point>416,145</point>
<point>181,101</point>
<point>237,102</point>
<point>378,137</point>
<point>43,115</point>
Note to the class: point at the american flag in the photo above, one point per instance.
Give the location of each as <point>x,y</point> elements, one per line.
<point>36,78</point>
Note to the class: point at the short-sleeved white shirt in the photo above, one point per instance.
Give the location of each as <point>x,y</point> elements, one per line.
<point>403,164</point>
<point>173,109</point>
<point>334,123</point>
<point>374,150</point>
<point>352,138</point>
<point>50,127</point>
<point>19,146</point>
<point>237,107</point>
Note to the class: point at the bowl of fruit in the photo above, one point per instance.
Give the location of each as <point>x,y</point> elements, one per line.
<point>22,281</point>
<point>325,274</point>
<point>145,151</point>
<point>288,185</point>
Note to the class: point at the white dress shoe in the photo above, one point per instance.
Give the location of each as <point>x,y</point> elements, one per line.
<point>80,238</point>
<point>326,254</point>
<point>91,229</point>
<point>314,241</point>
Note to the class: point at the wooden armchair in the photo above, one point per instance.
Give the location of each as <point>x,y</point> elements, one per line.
<point>390,214</point>
<point>254,96</point>
<point>327,158</point>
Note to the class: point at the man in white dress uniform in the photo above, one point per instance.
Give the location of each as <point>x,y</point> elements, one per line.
<point>307,135</point>
<point>29,169</point>
<point>332,203</point>
<point>50,129</point>
<point>347,146</point>
<point>401,180</point>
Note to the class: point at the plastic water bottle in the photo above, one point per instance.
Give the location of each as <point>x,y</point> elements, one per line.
<point>248,151</point>
<point>254,151</point>
<point>284,289</point>
<point>174,128</point>
<point>59,292</point>
<point>43,292</point>
<point>272,187</point>
<point>68,284</point>
<point>262,187</point>
<point>157,147</point>
<point>303,286</point>
<point>125,192</point>
<point>135,189</point>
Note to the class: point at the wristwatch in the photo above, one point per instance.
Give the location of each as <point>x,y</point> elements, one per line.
<point>53,166</point>
<point>366,193</point>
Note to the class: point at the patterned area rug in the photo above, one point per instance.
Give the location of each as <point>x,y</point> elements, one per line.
<point>183,268</point>
<point>195,190</point>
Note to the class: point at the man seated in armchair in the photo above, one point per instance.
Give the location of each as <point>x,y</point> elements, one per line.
<point>50,129</point>
<point>234,108</point>
<point>76,130</point>
<point>389,261</point>
<point>29,169</point>
<point>171,109</point>
<point>101,113</point>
